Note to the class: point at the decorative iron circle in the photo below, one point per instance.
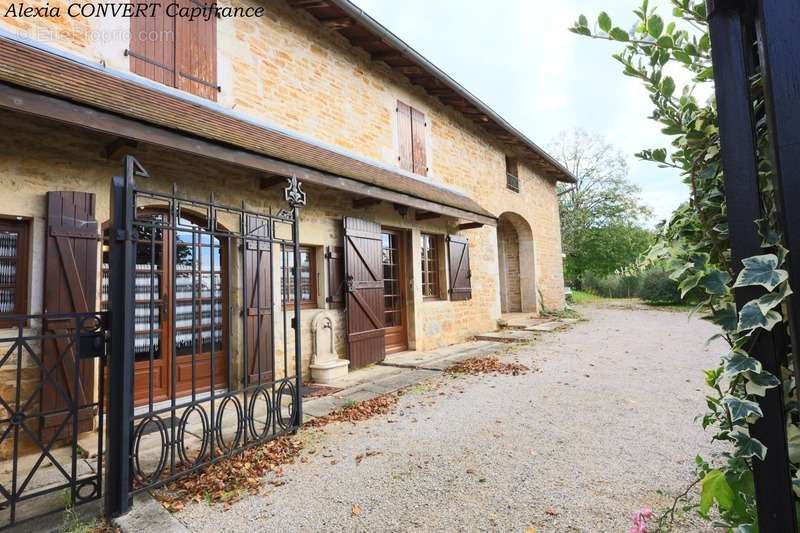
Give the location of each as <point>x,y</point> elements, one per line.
<point>259,393</point>
<point>136,449</point>
<point>82,495</point>
<point>286,389</point>
<point>239,424</point>
<point>181,436</point>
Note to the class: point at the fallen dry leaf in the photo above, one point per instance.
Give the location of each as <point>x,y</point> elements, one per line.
<point>227,480</point>
<point>356,510</point>
<point>552,511</point>
<point>487,365</point>
<point>357,412</point>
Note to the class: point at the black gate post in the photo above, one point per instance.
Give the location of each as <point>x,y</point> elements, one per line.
<point>297,199</point>
<point>778,27</point>
<point>120,368</point>
<point>730,51</point>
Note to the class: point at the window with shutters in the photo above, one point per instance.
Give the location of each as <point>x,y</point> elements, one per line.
<point>512,174</point>
<point>411,139</point>
<point>308,277</point>
<point>13,267</point>
<point>176,51</point>
<point>430,251</point>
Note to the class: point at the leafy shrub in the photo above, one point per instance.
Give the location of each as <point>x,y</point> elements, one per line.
<point>657,287</point>
<point>611,286</point>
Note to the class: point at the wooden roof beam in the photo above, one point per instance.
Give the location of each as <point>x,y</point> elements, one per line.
<point>337,23</point>
<point>361,203</point>
<point>426,215</point>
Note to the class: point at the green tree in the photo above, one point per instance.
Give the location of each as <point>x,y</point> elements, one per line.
<point>601,207</point>
<point>606,249</point>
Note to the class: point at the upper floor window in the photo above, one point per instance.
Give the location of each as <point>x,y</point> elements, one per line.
<point>411,135</point>
<point>13,267</point>
<point>512,174</point>
<point>176,51</point>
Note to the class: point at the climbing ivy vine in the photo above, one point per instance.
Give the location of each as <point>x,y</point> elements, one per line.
<point>671,56</point>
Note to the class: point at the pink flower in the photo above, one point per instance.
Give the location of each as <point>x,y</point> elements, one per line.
<point>640,519</point>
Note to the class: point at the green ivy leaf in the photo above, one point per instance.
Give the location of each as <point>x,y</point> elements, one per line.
<point>748,446</point>
<point>582,20</point>
<point>751,317</point>
<point>761,270</point>
<point>758,383</point>
<point>689,283</point>
<point>655,26</point>
<point>793,436</point>
<point>581,30</point>
<point>618,34</point>
<point>604,21</point>
<point>665,41</point>
<point>742,409</point>
<point>668,86</point>
<point>714,487</point>
<point>745,528</point>
<point>725,316</point>
<point>773,299</point>
<point>739,362</point>
<point>716,282</point>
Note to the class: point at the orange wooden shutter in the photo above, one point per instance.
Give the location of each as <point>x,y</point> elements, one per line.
<point>152,47</point>
<point>418,126</point>
<point>196,54</point>
<point>404,137</point>
<point>70,286</point>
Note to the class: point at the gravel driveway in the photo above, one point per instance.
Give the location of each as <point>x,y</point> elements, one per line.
<point>604,423</point>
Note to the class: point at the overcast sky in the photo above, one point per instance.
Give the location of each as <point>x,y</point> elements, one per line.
<point>518,57</point>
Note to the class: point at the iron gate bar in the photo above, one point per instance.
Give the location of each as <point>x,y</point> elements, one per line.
<point>730,53</point>
<point>190,243</point>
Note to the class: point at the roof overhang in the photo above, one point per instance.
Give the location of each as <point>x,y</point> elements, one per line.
<point>381,44</point>
<point>38,80</point>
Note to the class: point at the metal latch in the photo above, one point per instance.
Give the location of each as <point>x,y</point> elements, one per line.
<point>92,345</point>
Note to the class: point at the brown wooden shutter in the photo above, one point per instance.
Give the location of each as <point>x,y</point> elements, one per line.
<point>460,273</point>
<point>405,142</point>
<point>334,262</point>
<point>258,302</point>
<point>418,142</point>
<point>363,257</point>
<point>152,47</point>
<point>196,54</point>
<point>70,286</point>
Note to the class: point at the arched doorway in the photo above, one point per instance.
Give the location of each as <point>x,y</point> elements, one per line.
<point>517,267</point>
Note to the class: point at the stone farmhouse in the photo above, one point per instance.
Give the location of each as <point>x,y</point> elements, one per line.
<point>428,215</point>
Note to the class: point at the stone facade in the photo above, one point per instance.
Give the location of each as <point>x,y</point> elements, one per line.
<point>286,68</point>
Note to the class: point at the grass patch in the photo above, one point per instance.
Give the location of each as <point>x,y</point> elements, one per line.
<point>582,297</point>
<point>670,306</point>
<point>421,388</point>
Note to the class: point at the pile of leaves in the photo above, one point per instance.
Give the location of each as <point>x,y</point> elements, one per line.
<point>226,481</point>
<point>359,411</point>
<point>487,365</point>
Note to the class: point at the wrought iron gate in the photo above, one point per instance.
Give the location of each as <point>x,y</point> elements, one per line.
<point>198,293</point>
<point>48,463</point>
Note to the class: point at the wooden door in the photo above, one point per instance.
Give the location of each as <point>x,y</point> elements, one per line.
<point>393,245</point>
<point>258,302</point>
<point>199,326</point>
<point>364,285</point>
<point>70,286</point>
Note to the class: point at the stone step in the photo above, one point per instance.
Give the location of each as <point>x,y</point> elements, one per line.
<point>508,336</point>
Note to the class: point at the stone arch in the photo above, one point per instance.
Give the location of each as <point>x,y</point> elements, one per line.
<point>517,265</point>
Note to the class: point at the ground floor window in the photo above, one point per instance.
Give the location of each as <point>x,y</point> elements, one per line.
<point>430,251</point>
<point>13,267</point>
<point>308,277</point>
